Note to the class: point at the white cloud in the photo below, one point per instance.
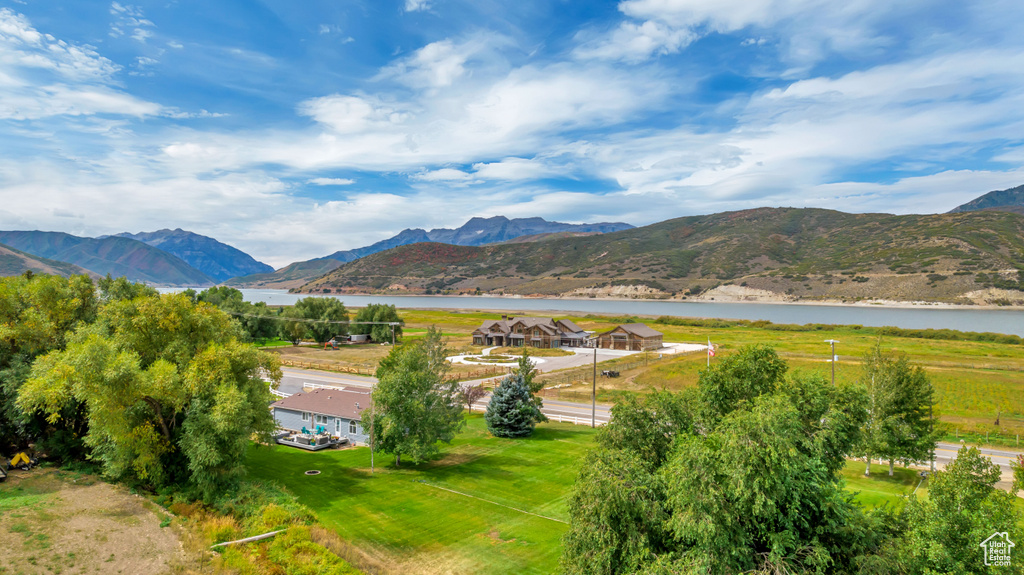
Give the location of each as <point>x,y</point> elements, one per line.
<point>442,175</point>
<point>22,46</point>
<point>441,64</point>
<point>331,181</point>
<point>635,42</point>
<point>351,114</point>
<point>416,5</point>
<point>127,16</point>
<point>513,169</point>
<point>75,80</point>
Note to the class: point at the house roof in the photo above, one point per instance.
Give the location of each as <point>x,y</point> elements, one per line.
<point>549,325</point>
<point>485,327</point>
<point>545,323</point>
<point>337,402</point>
<point>637,329</point>
<point>569,326</point>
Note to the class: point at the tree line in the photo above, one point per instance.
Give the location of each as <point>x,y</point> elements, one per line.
<point>741,474</point>
<point>161,391</point>
<point>320,319</point>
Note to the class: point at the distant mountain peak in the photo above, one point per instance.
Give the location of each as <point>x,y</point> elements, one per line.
<point>215,259</point>
<point>1010,200</point>
<point>477,231</point>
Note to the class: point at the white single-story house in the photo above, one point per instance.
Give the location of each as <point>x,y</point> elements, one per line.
<point>336,411</point>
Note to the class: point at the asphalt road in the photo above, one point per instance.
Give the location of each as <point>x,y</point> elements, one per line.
<point>293,380</point>
<point>946,452</point>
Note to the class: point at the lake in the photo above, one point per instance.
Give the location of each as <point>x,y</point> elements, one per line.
<point>993,320</point>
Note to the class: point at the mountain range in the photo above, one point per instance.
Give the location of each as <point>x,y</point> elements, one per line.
<point>796,253</point>
<point>215,259</point>
<point>475,232</point>
<point>16,262</point>
<point>112,255</point>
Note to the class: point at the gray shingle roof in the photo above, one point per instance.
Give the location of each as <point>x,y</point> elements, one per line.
<point>640,330</point>
<point>340,403</point>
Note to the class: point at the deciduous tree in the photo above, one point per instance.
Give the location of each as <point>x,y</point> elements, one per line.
<point>326,317</point>
<point>172,397</point>
<point>415,403</point>
<point>378,312</point>
<point>470,394</point>
<point>37,314</point>
<point>740,475</point>
<point>900,397</point>
<point>943,532</point>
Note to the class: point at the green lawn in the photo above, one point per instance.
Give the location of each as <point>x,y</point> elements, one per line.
<point>507,517</point>
<point>509,512</point>
<point>879,488</point>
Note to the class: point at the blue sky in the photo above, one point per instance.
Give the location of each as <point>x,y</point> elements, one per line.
<point>294,129</point>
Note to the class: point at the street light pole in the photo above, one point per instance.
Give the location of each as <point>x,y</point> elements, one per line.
<point>833,342</point>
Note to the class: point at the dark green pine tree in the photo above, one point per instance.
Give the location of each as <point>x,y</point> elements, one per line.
<point>512,412</point>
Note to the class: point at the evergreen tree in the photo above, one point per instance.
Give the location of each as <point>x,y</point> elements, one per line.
<point>526,369</point>
<point>512,412</point>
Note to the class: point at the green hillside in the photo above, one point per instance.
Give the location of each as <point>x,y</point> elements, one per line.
<point>290,276</point>
<point>111,255</point>
<point>14,262</point>
<point>801,253</point>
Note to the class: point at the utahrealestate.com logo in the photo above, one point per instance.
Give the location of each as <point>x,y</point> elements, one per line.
<point>997,549</point>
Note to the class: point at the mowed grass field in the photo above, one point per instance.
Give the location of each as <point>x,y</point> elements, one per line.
<point>487,505</point>
<point>975,381</point>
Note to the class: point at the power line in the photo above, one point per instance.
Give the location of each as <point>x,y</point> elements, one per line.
<point>309,320</point>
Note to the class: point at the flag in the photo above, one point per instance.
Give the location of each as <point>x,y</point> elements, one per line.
<point>711,349</point>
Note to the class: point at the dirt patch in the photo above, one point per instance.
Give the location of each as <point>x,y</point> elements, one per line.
<point>61,523</point>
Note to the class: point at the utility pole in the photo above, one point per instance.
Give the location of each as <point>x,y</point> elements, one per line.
<point>833,342</point>
<point>593,394</point>
<point>372,414</point>
<point>931,428</point>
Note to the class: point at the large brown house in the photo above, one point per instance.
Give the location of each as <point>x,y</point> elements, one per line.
<point>631,337</point>
<point>529,332</point>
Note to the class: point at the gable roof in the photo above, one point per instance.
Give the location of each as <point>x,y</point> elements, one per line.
<point>486,327</point>
<point>544,323</point>
<point>336,402</point>
<point>569,326</point>
<point>638,329</point>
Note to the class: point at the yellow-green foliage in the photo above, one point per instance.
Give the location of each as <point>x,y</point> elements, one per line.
<point>293,553</point>
<point>302,556</point>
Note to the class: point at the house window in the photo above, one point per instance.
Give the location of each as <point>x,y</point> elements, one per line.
<point>352,427</point>
<point>337,426</point>
<point>536,332</point>
<point>305,416</point>
<point>321,419</point>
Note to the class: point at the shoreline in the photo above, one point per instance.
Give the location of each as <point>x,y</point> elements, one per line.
<point>717,299</point>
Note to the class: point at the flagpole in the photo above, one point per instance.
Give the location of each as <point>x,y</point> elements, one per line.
<point>709,352</point>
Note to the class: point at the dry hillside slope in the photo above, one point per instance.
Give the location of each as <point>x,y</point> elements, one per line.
<point>788,252</point>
